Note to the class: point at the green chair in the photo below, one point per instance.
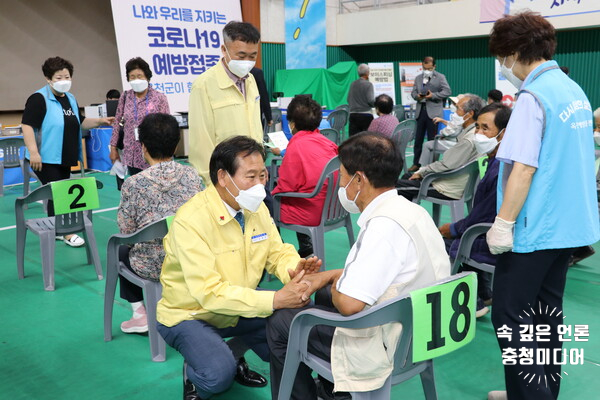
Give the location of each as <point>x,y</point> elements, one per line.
<point>425,334</point>
<point>334,216</point>
<point>398,112</point>
<point>403,134</point>
<point>457,207</point>
<point>276,115</point>
<point>344,107</point>
<point>463,255</point>
<point>152,289</point>
<point>73,201</point>
<point>331,134</point>
<point>338,120</point>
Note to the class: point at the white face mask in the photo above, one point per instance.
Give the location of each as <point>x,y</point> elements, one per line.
<point>597,137</point>
<point>249,199</point>
<point>61,86</point>
<point>456,120</point>
<point>349,205</point>
<point>139,85</point>
<point>427,73</point>
<point>484,144</point>
<point>240,68</point>
<point>509,75</point>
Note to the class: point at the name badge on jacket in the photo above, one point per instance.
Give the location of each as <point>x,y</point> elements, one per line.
<point>259,238</point>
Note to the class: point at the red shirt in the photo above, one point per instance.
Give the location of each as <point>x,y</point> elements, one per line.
<point>305,157</point>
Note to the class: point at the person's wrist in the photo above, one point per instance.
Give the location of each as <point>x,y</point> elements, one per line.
<point>276,301</point>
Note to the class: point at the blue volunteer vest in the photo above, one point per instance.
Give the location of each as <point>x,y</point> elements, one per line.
<point>49,137</point>
<point>561,209</point>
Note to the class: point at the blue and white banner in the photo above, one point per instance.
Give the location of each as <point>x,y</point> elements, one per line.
<point>179,39</point>
<point>305,34</point>
<point>491,10</point>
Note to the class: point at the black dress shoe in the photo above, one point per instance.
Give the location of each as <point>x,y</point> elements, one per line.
<point>581,253</point>
<point>245,376</point>
<point>189,391</point>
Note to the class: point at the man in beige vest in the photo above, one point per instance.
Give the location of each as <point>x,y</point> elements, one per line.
<point>398,250</point>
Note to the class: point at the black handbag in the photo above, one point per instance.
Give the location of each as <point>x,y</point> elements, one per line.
<point>120,144</point>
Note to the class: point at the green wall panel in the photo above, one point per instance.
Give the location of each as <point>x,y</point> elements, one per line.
<point>273,59</point>
<point>580,51</point>
<point>466,63</point>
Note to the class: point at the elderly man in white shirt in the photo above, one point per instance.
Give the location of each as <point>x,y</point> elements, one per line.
<point>398,249</point>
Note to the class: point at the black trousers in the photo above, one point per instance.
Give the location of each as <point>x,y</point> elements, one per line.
<point>319,344</point>
<point>305,247</point>
<point>527,288</point>
<point>52,173</point>
<point>410,189</point>
<point>424,125</point>
<point>359,123</point>
<point>130,292</point>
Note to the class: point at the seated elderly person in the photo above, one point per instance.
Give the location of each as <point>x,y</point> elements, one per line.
<point>447,136</point>
<point>147,197</point>
<point>489,130</point>
<point>306,155</point>
<point>399,249</point>
<point>462,153</point>
<point>218,247</point>
<point>386,122</point>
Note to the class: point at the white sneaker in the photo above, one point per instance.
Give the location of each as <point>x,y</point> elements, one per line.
<point>59,237</point>
<point>135,325</point>
<point>74,241</point>
<point>497,395</point>
<point>481,312</point>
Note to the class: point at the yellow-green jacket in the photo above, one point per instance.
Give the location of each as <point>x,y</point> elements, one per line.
<point>218,111</point>
<point>211,269</point>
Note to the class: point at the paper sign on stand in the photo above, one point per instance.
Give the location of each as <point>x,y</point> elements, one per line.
<point>381,75</point>
<point>408,73</point>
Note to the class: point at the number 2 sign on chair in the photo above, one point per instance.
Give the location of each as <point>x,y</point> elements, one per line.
<point>73,195</point>
<point>444,317</point>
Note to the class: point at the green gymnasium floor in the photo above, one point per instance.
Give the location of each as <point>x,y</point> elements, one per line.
<point>52,346</point>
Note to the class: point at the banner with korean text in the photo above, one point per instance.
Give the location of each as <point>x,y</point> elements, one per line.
<point>381,75</point>
<point>178,39</point>
<point>491,10</point>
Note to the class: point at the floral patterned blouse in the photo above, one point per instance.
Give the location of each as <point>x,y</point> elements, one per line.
<point>151,195</point>
<point>129,108</point>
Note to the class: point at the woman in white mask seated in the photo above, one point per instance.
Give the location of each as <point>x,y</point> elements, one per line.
<point>133,106</point>
<point>52,129</point>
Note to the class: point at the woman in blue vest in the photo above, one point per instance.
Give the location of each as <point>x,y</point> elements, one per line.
<point>547,203</point>
<point>52,127</point>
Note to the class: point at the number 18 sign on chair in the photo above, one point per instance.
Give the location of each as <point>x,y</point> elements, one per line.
<point>73,195</point>
<point>444,317</point>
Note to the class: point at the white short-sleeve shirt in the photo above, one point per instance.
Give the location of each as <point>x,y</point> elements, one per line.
<point>383,255</point>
